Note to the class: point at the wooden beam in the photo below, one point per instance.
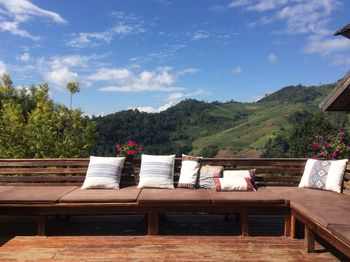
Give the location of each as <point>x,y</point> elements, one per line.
<point>41,225</point>
<point>309,240</point>
<point>245,224</point>
<point>153,224</point>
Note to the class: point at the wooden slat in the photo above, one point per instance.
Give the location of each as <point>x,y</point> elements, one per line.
<point>278,178</point>
<point>346,186</point>
<point>39,179</point>
<point>43,162</point>
<point>43,170</point>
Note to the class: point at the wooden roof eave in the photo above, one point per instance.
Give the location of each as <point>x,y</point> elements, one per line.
<point>344,31</point>
<point>335,99</point>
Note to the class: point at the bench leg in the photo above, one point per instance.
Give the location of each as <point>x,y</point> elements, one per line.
<point>309,240</point>
<point>293,223</point>
<point>245,224</point>
<point>287,224</point>
<point>153,224</point>
<point>41,225</point>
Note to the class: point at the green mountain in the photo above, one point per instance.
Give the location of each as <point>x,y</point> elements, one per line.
<point>231,129</point>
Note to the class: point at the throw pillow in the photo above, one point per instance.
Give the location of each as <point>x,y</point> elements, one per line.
<point>233,184</point>
<point>207,174</point>
<point>104,172</point>
<point>241,173</point>
<point>324,174</point>
<point>157,171</point>
<point>189,171</point>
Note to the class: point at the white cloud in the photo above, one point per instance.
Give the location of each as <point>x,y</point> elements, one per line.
<point>164,2</point>
<point>126,25</point>
<point>237,70</point>
<point>188,71</point>
<point>272,58</point>
<point>60,77</point>
<point>158,80</point>
<point>104,74</point>
<point>340,60</point>
<point>150,109</point>
<point>171,100</point>
<point>200,35</point>
<point>3,68</point>
<point>124,80</point>
<point>310,17</point>
<point>239,3</point>
<point>322,45</point>
<point>25,57</point>
<point>59,70</point>
<point>265,5</point>
<point>16,12</point>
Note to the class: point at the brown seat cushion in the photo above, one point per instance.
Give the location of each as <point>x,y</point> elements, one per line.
<point>123,195</point>
<point>4,188</point>
<point>34,194</point>
<point>324,212</point>
<point>341,231</point>
<point>260,197</point>
<point>306,194</point>
<point>179,196</point>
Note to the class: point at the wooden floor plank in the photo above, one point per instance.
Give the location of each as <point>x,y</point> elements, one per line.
<point>185,238</point>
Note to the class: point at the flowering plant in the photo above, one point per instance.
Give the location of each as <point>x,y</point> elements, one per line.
<point>334,148</point>
<point>129,150</point>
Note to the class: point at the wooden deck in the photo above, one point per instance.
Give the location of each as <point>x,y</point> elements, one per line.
<point>184,238</point>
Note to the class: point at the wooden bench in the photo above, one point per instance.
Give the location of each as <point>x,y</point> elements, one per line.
<point>71,172</point>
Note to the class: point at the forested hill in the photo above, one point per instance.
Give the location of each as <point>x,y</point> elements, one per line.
<point>210,129</point>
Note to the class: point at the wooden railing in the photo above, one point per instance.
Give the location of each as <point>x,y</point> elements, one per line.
<point>71,171</point>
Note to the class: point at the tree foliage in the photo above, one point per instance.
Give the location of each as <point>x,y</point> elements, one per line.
<point>32,125</point>
<point>306,126</point>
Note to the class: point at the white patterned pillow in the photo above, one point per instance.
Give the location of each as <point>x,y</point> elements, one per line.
<point>189,171</point>
<point>104,172</point>
<point>324,174</point>
<point>207,174</point>
<point>157,171</point>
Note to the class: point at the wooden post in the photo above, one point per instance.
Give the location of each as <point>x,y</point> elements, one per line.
<point>245,224</point>
<point>309,240</point>
<point>153,224</point>
<point>287,224</point>
<point>41,225</point>
<point>293,222</point>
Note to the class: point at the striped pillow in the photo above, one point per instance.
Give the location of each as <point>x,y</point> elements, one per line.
<point>157,171</point>
<point>189,172</point>
<point>104,172</point>
<point>207,173</point>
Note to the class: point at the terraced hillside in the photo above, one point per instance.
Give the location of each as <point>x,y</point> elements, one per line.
<point>221,129</point>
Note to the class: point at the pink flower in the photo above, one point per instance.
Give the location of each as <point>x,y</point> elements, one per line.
<point>329,145</point>
<point>332,155</point>
<point>131,143</point>
<point>316,145</point>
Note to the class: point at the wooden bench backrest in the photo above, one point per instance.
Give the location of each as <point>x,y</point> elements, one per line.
<point>269,171</point>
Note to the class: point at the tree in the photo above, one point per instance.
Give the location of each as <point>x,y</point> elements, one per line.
<point>73,88</point>
<point>32,125</point>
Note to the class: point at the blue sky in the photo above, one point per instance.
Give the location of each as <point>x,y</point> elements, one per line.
<point>151,54</point>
